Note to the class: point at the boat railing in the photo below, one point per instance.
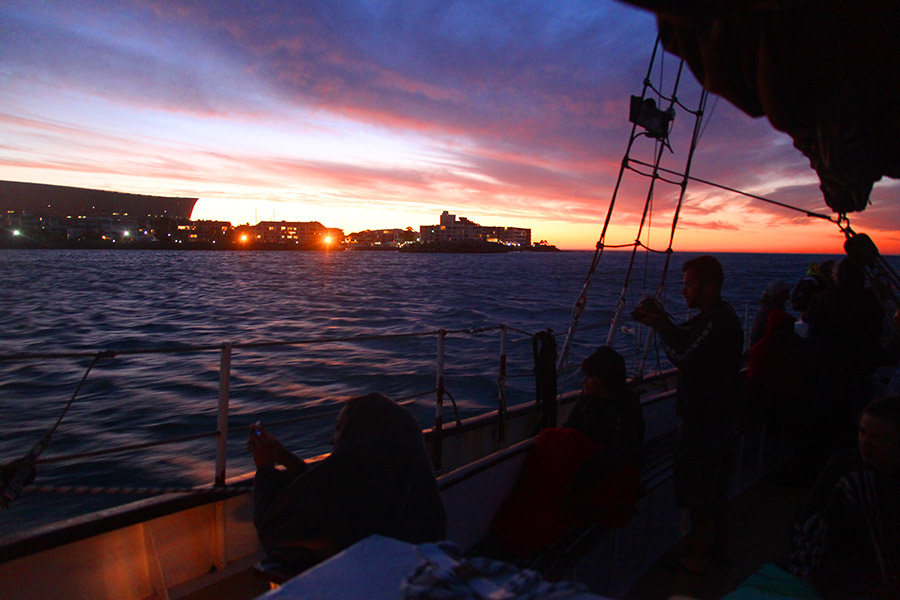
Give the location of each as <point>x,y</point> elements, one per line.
<point>225,350</point>
<point>221,433</point>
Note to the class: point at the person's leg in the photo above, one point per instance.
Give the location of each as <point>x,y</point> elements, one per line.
<point>719,546</point>
<point>701,529</point>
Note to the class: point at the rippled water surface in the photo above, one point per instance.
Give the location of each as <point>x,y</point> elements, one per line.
<point>61,301</point>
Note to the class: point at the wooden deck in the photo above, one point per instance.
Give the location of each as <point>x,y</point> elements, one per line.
<point>759,519</point>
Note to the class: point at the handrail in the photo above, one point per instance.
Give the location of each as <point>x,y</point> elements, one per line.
<point>222,414</point>
<point>125,448</point>
<point>226,349</point>
<point>217,347</point>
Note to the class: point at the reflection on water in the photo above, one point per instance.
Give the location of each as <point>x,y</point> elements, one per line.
<point>69,300</point>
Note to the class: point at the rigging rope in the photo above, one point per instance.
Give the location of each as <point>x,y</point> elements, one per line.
<point>581,301</point>
<point>808,213</point>
<point>645,226</point>
<point>22,472</point>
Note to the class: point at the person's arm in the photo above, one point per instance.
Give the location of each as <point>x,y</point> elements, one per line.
<point>268,451</point>
<point>705,337</point>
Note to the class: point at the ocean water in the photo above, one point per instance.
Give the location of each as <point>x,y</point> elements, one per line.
<point>71,301</point>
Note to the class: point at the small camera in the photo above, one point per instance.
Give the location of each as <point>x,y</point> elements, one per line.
<point>646,305</point>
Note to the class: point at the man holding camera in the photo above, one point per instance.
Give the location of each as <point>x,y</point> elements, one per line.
<point>707,351</point>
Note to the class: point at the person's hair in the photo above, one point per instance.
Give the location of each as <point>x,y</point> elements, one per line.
<point>707,269</point>
<point>607,365</point>
<point>850,275</point>
<point>886,407</point>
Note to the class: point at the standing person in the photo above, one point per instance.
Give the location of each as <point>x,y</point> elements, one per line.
<point>844,332</point>
<point>707,351</point>
<point>378,480</point>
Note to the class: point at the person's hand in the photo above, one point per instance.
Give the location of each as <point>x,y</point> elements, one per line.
<point>264,446</point>
<point>649,312</point>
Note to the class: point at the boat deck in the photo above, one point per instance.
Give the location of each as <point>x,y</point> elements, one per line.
<point>759,519</point>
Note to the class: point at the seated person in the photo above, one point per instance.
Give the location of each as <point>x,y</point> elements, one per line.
<point>378,480</point>
<point>845,539</point>
<point>586,471</point>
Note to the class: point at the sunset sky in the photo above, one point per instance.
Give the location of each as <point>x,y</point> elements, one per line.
<point>367,115</point>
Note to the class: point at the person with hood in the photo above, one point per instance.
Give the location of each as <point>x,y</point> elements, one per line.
<point>774,371</point>
<point>774,297</point>
<point>586,471</point>
<point>377,480</point>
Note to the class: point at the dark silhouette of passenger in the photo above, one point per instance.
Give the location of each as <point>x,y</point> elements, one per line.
<point>774,297</point>
<point>777,394</point>
<point>707,350</point>
<point>844,333</point>
<point>587,471</point>
<point>774,372</point>
<point>807,291</point>
<point>846,536</point>
<point>378,480</point>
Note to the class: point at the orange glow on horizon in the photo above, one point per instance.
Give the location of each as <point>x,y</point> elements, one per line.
<point>786,237</point>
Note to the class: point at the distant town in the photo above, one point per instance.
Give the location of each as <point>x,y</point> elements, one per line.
<point>46,216</point>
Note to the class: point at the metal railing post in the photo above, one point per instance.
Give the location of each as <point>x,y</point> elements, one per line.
<point>501,387</point>
<point>439,403</point>
<point>222,424</point>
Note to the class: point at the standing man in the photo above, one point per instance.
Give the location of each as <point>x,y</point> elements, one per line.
<point>707,351</point>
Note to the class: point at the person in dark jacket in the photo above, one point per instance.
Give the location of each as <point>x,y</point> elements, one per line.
<point>586,471</point>
<point>844,332</point>
<point>378,480</point>
<point>609,414</point>
<point>707,350</point>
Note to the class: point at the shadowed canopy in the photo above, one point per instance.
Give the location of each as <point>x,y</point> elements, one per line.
<point>822,71</point>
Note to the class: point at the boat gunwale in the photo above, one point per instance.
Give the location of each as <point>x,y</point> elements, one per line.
<point>47,537</point>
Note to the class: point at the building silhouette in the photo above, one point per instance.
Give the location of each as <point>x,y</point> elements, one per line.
<point>451,229</point>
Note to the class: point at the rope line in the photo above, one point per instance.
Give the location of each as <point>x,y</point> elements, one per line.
<point>85,489</point>
<point>68,457</point>
<point>455,412</point>
<point>218,347</point>
<point>655,176</point>
<point>808,213</point>
<point>22,471</point>
<point>649,249</point>
<point>581,301</point>
<point>631,245</point>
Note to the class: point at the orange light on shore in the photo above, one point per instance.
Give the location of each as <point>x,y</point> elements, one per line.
<point>244,238</point>
<point>328,239</point>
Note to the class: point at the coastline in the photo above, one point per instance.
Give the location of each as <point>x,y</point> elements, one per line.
<point>436,248</point>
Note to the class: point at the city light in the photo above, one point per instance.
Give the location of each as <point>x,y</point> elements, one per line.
<point>328,239</point>
<point>16,232</point>
<point>244,238</point>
